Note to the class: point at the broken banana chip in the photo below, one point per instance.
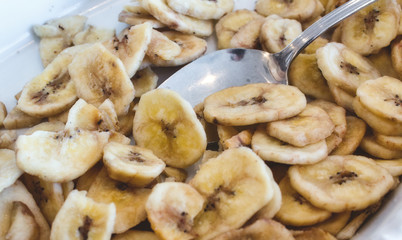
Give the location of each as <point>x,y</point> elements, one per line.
<point>253,103</point>
<point>202,9</point>
<point>166,124</point>
<point>341,183</point>
<point>9,172</point>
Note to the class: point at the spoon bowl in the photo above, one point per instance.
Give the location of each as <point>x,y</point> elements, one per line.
<point>237,67</point>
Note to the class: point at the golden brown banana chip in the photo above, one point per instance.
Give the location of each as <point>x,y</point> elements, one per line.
<point>355,130</point>
<point>296,210</point>
<point>369,145</point>
<point>383,62</point>
<point>135,235</point>
<point>312,233</point>
<point>396,55</point>
<point>129,202</point>
<point>335,223</point>
<point>391,142</point>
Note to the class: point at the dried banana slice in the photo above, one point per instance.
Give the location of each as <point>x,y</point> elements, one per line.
<point>396,55</point>
<point>263,229</point>
<point>192,47</point>
<point>310,126</point>
<point>129,202</point>
<point>202,9</point>
<point>93,34</point>
<point>378,124</point>
<point>369,145</point>
<point>272,207</point>
<point>20,217</point>
<point>99,75</point>
<point>85,181</point>
<point>383,97</point>
<point>16,119</point>
<point>3,113</point>
<point>278,32</point>
<point>8,138</point>
<point>391,142</point>
<point>135,234</point>
<point>228,26</point>
<point>312,233</point>
<point>272,149</point>
<point>66,27</point>
<point>46,126</point>
<point>341,97</point>
<point>166,124</point>
<point>126,121</point>
<point>335,223</point>
<point>341,183</point>
<point>338,117</point>
<point>372,28</point>
<point>394,166</point>
<point>172,215</point>
<point>315,45</point>
<point>61,117</point>
<point>248,35</point>
<point>131,45</point>
<point>243,138</point>
<point>144,81</point>
<point>82,217</point>
<point>299,10</point>
<point>59,156</point>
<point>9,172</point>
<point>49,48</point>
<point>52,91</point>
<point>356,128</point>
<point>162,47</point>
<point>131,164</point>
<point>305,75</point>
<point>48,196</point>
<point>246,177</point>
<point>185,24</point>
<point>253,103</point>
<point>383,62</point>
<point>296,210</point>
<point>135,19</point>
<point>343,67</point>
<point>171,174</point>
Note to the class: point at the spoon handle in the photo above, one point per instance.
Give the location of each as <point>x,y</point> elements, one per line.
<point>319,27</point>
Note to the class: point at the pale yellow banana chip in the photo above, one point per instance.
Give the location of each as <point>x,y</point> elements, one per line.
<point>17,119</point>
<point>9,172</point>
<point>335,223</point>
<point>315,45</point>
<point>192,47</point>
<point>134,19</point>
<point>383,97</point>
<point>7,139</point>
<point>377,123</point>
<point>247,182</point>
<point>49,196</point>
<point>59,156</point>
<point>82,217</point>
<point>162,47</point>
<point>343,67</point>
<point>299,10</point>
<point>394,166</point>
<point>166,124</point>
<point>172,215</point>
<point>161,11</point>
<point>383,62</point>
<point>93,34</point>
<point>263,229</point>
<point>99,75</point>
<point>341,97</point>
<point>248,35</point>
<point>278,32</point>
<point>85,181</point>
<point>310,126</point>
<point>3,113</point>
<point>10,198</point>
<point>272,207</point>
<point>253,103</point>
<point>202,9</point>
<point>131,164</point>
<point>49,48</point>
<point>272,149</point>
<point>305,75</point>
<point>372,28</point>
<point>391,142</point>
<point>341,183</point>
<point>369,145</point>
<point>129,202</point>
<point>229,25</point>
<point>54,126</point>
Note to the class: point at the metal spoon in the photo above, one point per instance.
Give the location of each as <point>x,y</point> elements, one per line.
<point>236,67</point>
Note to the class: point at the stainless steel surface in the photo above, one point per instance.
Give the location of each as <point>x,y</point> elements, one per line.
<point>236,67</point>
